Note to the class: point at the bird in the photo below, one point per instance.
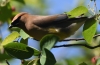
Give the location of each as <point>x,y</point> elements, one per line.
<point>37,26</point>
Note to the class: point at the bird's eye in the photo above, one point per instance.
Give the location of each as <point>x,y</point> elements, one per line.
<point>16,22</point>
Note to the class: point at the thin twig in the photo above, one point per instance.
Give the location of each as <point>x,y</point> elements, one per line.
<point>7,62</point>
<point>78,39</point>
<point>85,45</point>
<point>0,30</point>
<point>74,39</point>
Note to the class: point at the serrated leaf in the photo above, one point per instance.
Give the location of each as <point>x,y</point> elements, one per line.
<point>10,38</point>
<point>48,41</point>
<point>47,58</point>
<point>89,29</point>
<point>23,34</point>
<point>78,11</point>
<point>19,50</point>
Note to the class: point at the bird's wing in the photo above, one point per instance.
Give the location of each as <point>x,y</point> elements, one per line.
<point>57,21</point>
<point>49,21</point>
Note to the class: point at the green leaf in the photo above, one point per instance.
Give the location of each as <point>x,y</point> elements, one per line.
<point>4,56</point>
<point>23,34</point>
<point>20,50</point>
<point>10,38</point>
<point>36,62</point>
<point>5,13</point>
<point>20,1</point>
<point>83,63</point>
<point>48,41</point>
<point>71,61</point>
<point>47,58</point>
<point>89,29</point>
<point>98,61</point>
<point>25,41</point>
<point>78,11</point>
<point>36,52</point>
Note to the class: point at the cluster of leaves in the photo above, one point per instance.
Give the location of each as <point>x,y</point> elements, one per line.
<point>7,11</point>
<point>22,51</point>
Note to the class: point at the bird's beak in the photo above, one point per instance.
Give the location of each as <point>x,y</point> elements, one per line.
<point>10,26</point>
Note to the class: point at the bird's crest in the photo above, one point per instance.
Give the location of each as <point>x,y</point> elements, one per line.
<point>18,15</point>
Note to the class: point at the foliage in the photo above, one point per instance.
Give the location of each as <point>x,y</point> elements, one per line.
<point>20,48</point>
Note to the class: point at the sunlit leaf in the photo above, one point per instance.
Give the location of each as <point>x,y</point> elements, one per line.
<point>23,34</point>
<point>89,29</point>
<point>10,38</point>
<point>78,11</point>
<point>48,41</point>
<point>37,61</point>
<point>36,3</point>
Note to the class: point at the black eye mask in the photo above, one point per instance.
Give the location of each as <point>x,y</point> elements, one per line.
<point>15,23</point>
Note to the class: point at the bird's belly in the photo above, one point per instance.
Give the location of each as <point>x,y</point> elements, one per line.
<point>38,34</point>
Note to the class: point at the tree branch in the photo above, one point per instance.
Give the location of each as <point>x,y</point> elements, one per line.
<point>78,39</point>
<point>7,62</point>
<point>85,45</point>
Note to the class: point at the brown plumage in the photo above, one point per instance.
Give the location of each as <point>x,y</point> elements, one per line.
<point>37,26</point>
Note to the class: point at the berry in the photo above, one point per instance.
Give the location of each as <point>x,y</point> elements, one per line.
<point>13,8</point>
<point>94,60</point>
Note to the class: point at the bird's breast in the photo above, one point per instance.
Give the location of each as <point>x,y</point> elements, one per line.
<point>38,34</point>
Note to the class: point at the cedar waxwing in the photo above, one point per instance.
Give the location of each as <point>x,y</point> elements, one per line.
<point>37,26</point>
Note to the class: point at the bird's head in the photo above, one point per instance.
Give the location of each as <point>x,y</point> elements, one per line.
<point>16,21</point>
